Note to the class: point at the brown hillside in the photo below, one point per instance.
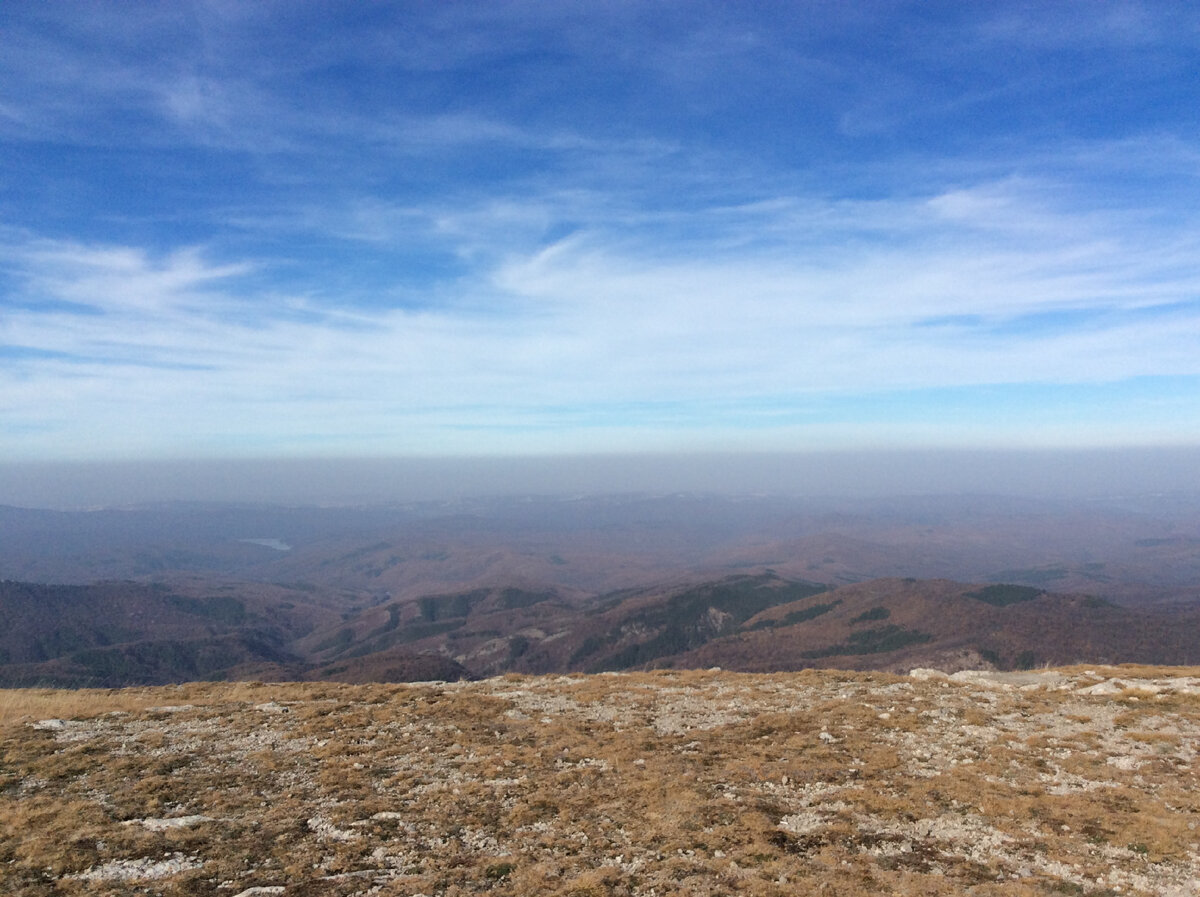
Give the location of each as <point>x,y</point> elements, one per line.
<point>897,624</point>
<point>114,634</point>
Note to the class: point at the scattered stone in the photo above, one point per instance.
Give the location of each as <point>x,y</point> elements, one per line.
<point>140,870</point>
<point>162,825</point>
<point>326,829</point>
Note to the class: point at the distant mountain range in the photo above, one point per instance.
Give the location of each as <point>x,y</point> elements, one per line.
<point>163,593</point>
<point>1130,550</point>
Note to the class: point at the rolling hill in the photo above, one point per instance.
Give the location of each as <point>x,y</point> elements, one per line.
<point>121,633</point>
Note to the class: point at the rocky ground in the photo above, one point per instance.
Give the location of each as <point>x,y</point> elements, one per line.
<point>1076,781</point>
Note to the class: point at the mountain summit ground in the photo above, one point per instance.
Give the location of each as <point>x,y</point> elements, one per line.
<point>1077,781</point>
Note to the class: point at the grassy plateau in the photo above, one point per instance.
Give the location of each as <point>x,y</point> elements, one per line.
<point>1076,781</point>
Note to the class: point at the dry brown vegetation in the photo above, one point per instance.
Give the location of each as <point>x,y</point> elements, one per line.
<point>1078,781</point>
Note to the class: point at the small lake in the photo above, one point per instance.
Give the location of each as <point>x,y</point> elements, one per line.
<point>277,544</point>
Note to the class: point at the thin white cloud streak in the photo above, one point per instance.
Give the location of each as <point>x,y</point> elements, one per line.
<point>116,278</point>
<point>878,265</point>
<point>1117,25</point>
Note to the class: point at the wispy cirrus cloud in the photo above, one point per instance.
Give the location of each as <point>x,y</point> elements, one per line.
<point>393,230</point>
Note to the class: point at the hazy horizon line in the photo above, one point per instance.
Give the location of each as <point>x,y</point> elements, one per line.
<point>1047,472</point>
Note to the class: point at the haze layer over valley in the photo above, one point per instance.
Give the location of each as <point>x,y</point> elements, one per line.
<point>470,587</point>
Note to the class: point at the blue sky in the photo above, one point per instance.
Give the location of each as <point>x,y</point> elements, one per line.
<point>253,230</point>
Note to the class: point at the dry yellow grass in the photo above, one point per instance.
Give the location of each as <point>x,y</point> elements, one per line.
<point>700,783</point>
<point>17,704</point>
